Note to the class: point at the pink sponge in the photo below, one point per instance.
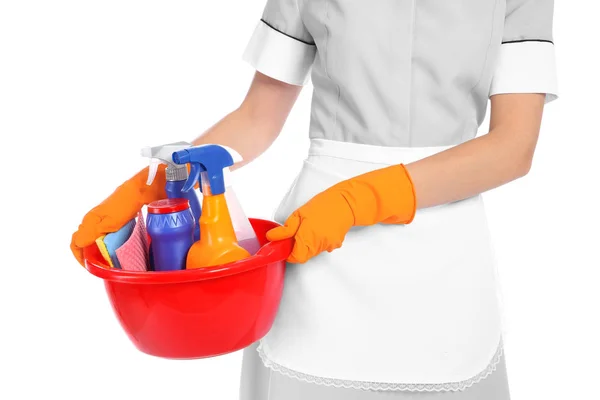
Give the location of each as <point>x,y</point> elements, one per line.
<point>133,255</point>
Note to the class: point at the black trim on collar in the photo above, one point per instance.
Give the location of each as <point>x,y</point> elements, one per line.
<point>528,40</point>
<point>283,33</point>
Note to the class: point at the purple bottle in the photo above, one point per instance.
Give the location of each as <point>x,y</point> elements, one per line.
<point>170,224</point>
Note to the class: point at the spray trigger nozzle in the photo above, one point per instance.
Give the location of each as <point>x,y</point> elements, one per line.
<point>152,170</point>
<point>211,160</point>
<point>162,155</point>
<point>194,177</point>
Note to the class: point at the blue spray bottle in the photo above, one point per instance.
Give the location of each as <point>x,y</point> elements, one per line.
<point>177,175</point>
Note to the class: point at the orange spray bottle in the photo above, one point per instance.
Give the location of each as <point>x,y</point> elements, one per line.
<point>218,242</point>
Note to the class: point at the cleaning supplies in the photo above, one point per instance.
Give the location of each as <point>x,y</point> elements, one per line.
<point>171,226</point>
<point>244,232</point>
<point>218,243</point>
<point>109,243</point>
<point>104,250</point>
<point>133,255</point>
<point>116,239</point>
<point>176,176</point>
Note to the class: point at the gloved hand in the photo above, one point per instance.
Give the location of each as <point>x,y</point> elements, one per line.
<point>118,209</point>
<point>382,196</point>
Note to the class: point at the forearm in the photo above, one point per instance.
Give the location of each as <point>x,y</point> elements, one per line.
<point>481,164</point>
<point>241,132</point>
<point>465,170</point>
<point>255,125</point>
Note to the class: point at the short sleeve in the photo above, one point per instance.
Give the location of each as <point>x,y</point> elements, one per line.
<point>526,62</point>
<point>281,47</point>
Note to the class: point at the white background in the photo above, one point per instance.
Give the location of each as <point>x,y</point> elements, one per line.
<point>85,84</point>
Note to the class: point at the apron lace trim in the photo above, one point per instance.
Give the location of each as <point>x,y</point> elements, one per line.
<point>383,386</point>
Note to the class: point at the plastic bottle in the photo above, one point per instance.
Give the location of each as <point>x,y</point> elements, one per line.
<point>218,243</point>
<point>176,176</point>
<point>170,224</point>
<point>241,225</point>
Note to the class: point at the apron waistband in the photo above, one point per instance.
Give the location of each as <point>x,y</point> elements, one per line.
<point>371,154</point>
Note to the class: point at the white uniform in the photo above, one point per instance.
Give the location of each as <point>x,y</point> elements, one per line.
<point>397,308</point>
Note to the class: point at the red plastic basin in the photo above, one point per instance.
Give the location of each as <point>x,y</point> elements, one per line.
<point>198,313</point>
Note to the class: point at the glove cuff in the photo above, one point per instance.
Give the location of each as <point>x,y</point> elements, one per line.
<point>385,196</point>
<point>410,188</point>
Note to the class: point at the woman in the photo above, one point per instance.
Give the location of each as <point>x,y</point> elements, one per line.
<point>407,306</point>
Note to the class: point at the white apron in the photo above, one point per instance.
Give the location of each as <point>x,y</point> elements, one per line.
<point>397,307</point>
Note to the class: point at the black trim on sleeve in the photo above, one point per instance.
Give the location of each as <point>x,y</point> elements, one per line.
<point>528,40</point>
<point>285,34</point>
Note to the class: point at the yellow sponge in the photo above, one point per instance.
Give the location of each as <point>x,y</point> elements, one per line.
<point>104,250</point>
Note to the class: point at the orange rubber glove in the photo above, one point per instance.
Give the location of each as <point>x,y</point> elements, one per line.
<point>382,196</point>
<point>118,209</point>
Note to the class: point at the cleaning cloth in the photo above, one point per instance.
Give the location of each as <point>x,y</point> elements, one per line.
<point>104,250</point>
<point>133,255</point>
<point>114,240</point>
